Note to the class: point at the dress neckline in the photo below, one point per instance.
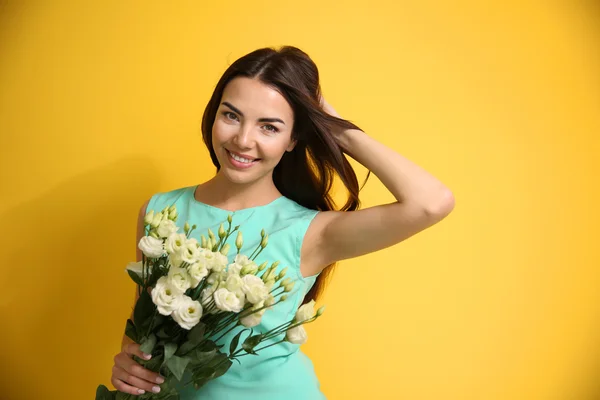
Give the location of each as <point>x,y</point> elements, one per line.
<point>196,201</point>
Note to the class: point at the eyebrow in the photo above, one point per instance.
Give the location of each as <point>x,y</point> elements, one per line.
<point>259,120</point>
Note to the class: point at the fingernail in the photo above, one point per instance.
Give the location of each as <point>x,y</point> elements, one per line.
<point>160,380</point>
<point>141,391</point>
<point>156,389</point>
<point>147,356</point>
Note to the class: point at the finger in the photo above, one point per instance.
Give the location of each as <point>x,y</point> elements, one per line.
<point>134,349</point>
<point>138,384</point>
<point>125,388</point>
<point>133,368</point>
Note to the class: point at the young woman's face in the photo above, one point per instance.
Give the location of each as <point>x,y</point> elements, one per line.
<point>252,130</point>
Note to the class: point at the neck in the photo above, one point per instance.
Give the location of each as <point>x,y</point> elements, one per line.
<point>219,191</point>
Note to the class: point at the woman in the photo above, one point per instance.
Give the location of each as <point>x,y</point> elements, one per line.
<point>277,145</point>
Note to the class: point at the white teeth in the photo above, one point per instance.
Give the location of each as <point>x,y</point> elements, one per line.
<point>240,159</point>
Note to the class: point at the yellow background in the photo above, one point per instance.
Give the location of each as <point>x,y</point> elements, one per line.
<point>100,107</point>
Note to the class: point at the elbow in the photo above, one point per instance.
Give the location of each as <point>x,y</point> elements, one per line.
<point>443,206</point>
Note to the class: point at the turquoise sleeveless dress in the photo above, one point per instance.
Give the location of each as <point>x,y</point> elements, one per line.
<point>281,371</point>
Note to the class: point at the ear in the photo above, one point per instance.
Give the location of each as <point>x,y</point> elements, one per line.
<point>292,145</point>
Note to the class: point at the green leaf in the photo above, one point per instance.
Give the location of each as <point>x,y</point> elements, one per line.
<point>235,341</point>
<point>222,368</point>
<point>197,332</point>
<point>102,393</point>
<point>251,342</point>
<point>131,331</point>
<point>135,277</point>
<point>177,365</point>
<point>123,396</point>
<point>148,344</point>
<point>154,363</point>
<point>143,311</point>
<point>157,321</point>
<point>215,368</point>
<point>195,336</point>
<point>170,349</point>
<point>200,357</point>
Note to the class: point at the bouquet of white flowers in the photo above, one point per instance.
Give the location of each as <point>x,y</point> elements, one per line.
<point>190,297</point>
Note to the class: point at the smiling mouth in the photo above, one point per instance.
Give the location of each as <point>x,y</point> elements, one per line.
<point>242,159</point>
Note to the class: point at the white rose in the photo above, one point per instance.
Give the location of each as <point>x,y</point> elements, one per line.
<point>165,296</point>
<point>151,247</point>
<point>234,283</point>
<point>189,252</point>
<point>234,269</point>
<point>307,311</point>
<point>197,272</point>
<point>216,260</point>
<point>250,321</point>
<point>227,301</point>
<point>296,335</point>
<point>208,257</point>
<point>175,242</point>
<point>215,278</point>
<point>188,314</point>
<point>255,289</point>
<point>166,228</point>
<point>175,260</point>
<point>179,278</point>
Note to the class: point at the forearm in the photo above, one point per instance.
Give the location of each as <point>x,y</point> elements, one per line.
<point>408,182</point>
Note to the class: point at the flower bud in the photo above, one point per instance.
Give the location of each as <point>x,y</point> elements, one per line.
<point>225,249</point>
<point>267,275</point>
<point>203,242</point>
<point>262,266</point>
<point>270,301</point>
<point>289,286</point>
<point>262,233</point>
<point>269,284</point>
<point>239,241</point>
<point>211,235</point>
<point>320,311</point>
<point>222,232</point>
<point>154,234</point>
<point>247,269</point>
<point>173,215</point>
<point>283,298</point>
<point>172,208</point>
<point>186,228</point>
<point>282,273</point>
<point>156,220</point>
<point>275,264</point>
<point>264,241</point>
<point>284,282</point>
<point>229,218</point>
<point>149,217</point>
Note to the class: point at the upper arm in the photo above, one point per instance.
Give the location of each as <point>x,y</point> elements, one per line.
<point>140,230</point>
<point>139,234</point>
<point>339,235</point>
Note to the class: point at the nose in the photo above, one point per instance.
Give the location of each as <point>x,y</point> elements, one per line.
<point>244,138</point>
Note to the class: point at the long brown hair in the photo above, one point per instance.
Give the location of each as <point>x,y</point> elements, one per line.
<point>306,174</point>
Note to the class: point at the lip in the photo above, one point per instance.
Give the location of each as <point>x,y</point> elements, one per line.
<point>246,156</point>
<point>240,165</point>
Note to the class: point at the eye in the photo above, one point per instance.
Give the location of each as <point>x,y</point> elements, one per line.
<point>271,128</point>
<point>229,115</point>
